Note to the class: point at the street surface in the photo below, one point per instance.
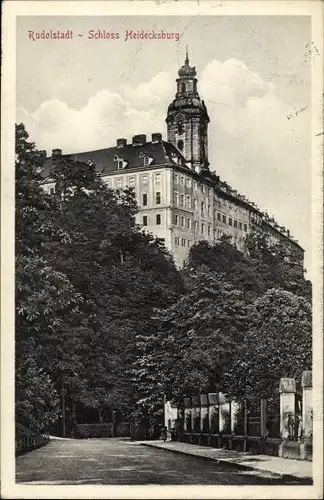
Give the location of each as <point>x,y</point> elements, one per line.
<point>121,461</point>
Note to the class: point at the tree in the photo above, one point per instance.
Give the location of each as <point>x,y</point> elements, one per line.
<point>195,340</point>
<point>37,401</point>
<point>121,274</point>
<point>278,343</point>
<point>46,301</point>
<point>260,267</point>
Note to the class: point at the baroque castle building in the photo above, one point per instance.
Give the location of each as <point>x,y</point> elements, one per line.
<point>180,199</point>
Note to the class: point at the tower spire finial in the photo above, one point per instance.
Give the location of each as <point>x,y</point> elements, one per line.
<point>187,58</point>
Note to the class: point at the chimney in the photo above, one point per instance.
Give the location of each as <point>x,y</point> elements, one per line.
<point>121,143</point>
<point>43,153</point>
<point>139,140</point>
<point>156,137</point>
<point>56,152</point>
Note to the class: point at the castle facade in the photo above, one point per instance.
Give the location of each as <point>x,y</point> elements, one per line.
<point>180,199</point>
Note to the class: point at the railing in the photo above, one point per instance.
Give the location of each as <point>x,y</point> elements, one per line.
<point>273,426</point>
<point>294,428</point>
<point>29,442</point>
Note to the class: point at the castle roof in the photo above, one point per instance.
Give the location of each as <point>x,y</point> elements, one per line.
<point>131,155</point>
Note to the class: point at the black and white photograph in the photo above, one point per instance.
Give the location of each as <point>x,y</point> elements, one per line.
<point>162,208</point>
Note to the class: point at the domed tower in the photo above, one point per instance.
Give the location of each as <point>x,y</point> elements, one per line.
<point>187,119</point>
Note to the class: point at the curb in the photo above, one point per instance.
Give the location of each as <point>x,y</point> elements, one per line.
<point>241,466</point>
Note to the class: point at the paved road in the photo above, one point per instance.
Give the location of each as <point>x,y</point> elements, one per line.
<point>116,461</point>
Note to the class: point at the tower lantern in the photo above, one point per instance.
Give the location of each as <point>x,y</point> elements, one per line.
<point>187,119</point>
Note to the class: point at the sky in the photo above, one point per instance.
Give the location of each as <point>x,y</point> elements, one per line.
<point>254,74</point>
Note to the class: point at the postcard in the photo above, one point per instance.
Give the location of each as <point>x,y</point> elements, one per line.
<point>161,249</point>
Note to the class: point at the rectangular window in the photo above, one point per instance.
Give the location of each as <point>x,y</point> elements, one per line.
<point>202,208</point>
<point>195,185</point>
<point>188,223</point>
<point>175,219</point>
<point>119,182</point>
<point>210,192</point>
<point>176,198</point>
<point>235,223</point>
<point>224,219</point>
<point>144,199</point>
<point>183,242</point>
<point>181,200</point>
<point>131,181</point>
<point>209,230</point>
<point>158,198</point>
<point>188,241</point>
<point>219,216</point>
<point>176,178</point>
<point>245,227</point>
<point>144,220</point>
<point>182,222</point>
<point>195,204</point>
<point>196,225</point>
<point>188,201</point>
<point>208,210</point>
<point>158,178</point>
<point>177,240</point>
<point>240,225</point>
<point>202,188</point>
<point>182,180</point>
<point>158,219</point>
<point>230,221</point>
<point>188,182</point>
<point>144,179</point>
<point>202,228</point>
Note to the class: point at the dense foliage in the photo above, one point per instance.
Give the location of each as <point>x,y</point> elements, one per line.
<point>103,313</point>
<point>243,322</point>
<point>87,280</point>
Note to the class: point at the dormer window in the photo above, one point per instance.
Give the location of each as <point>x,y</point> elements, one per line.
<point>180,128</point>
<point>146,160</point>
<point>120,162</point>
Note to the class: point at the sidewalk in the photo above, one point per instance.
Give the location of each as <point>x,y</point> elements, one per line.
<point>284,467</point>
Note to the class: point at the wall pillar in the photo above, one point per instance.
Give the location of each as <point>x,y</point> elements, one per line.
<point>263,417</point>
<point>234,412</point>
<point>195,421</point>
<point>307,404</point>
<point>213,412</point>
<point>187,414</point>
<point>224,412</point>
<point>287,389</point>
<point>204,420</point>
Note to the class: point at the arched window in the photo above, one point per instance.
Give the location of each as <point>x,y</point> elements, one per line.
<point>180,144</point>
<point>183,88</point>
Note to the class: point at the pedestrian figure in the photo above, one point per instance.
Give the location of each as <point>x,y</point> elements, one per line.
<point>164,433</point>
